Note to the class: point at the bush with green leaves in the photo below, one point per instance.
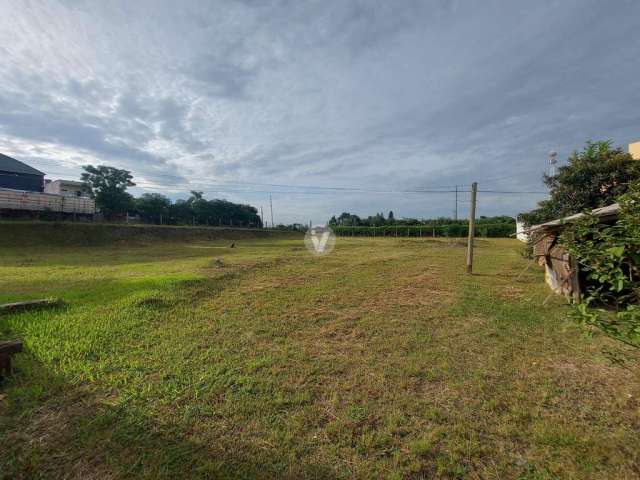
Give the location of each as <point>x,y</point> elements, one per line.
<point>592,178</point>
<point>609,257</point>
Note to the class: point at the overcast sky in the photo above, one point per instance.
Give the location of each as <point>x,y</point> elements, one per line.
<point>235,98</point>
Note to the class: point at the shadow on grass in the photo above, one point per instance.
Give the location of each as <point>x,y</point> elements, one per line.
<point>124,254</point>
<point>55,426</point>
<point>101,256</point>
<point>53,429</point>
<point>80,291</point>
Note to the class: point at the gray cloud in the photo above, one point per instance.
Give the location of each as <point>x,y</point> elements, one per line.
<point>383,95</point>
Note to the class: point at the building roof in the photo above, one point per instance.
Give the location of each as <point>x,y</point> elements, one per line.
<point>8,164</point>
<point>69,182</point>
<point>610,212</point>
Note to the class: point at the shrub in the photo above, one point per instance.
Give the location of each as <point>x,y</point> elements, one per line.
<point>609,256</point>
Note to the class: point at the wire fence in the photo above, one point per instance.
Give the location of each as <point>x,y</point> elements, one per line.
<point>448,230</point>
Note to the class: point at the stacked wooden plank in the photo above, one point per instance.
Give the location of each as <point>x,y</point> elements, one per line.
<point>45,202</point>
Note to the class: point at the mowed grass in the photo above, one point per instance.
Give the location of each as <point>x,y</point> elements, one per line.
<point>381,360</point>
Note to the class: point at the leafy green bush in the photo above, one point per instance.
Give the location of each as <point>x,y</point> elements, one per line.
<point>592,178</point>
<point>526,250</point>
<point>609,256</point>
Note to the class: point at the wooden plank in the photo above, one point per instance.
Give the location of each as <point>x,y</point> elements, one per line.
<point>40,201</point>
<point>10,307</point>
<point>543,244</point>
<point>7,349</point>
<point>10,347</point>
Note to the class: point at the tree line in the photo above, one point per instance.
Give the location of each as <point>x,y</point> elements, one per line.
<point>347,219</point>
<point>108,186</point>
<point>379,225</point>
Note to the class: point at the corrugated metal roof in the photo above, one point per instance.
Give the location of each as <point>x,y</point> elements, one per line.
<point>608,212</point>
<point>8,164</point>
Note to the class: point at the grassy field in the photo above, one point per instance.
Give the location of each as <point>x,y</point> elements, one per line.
<point>381,360</point>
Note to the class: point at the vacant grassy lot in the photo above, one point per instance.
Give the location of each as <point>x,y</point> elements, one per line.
<point>381,360</point>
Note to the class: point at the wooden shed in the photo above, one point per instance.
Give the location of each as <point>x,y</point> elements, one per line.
<point>562,273</point>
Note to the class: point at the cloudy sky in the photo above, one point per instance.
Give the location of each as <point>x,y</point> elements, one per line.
<point>365,101</point>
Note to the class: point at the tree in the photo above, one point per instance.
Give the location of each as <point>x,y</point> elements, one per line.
<point>348,219</point>
<point>195,196</point>
<point>391,218</point>
<point>198,210</point>
<point>181,212</point>
<point>593,178</point>
<point>153,206</point>
<point>376,221</point>
<point>108,186</point>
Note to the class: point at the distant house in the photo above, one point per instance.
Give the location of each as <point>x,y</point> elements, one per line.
<point>66,188</point>
<point>521,231</point>
<point>16,175</point>
<point>634,150</point>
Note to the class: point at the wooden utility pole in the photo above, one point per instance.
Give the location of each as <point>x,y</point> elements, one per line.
<point>472,227</point>
<point>271,205</point>
<point>455,212</point>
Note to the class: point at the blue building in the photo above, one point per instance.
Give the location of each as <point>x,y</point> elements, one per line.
<point>19,176</point>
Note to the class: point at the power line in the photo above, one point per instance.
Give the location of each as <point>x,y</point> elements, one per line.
<point>316,189</point>
<point>514,192</point>
<point>495,179</point>
<point>232,183</point>
<point>225,189</point>
<point>309,187</point>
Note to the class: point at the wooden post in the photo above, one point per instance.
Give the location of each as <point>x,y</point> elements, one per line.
<point>455,216</point>
<point>472,227</point>
<point>271,206</point>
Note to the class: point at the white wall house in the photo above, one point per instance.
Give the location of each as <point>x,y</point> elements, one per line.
<point>67,188</point>
<point>520,233</point>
